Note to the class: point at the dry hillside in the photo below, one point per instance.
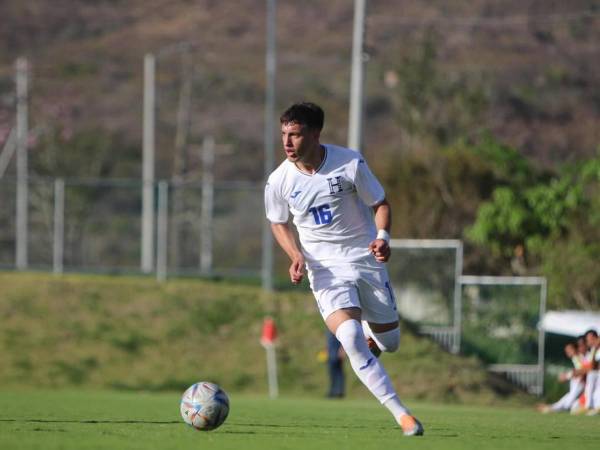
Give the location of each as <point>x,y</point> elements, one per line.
<point>533,65</point>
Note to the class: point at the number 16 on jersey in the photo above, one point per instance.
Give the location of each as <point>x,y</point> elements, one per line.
<point>322,214</point>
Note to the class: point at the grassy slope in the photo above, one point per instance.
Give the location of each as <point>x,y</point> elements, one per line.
<point>110,420</point>
<point>131,332</point>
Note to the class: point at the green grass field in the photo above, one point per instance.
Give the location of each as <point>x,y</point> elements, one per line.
<point>70,419</point>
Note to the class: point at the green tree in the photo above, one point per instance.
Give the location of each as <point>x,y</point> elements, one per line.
<point>557,222</point>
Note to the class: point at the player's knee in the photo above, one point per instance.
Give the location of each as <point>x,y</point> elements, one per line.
<point>388,341</point>
<point>351,336</point>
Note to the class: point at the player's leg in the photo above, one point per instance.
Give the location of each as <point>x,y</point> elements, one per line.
<point>345,323</point>
<point>595,393</point>
<point>380,321</point>
<point>567,401</point>
<point>378,303</point>
<point>384,336</point>
<point>590,385</point>
<point>339,303</point>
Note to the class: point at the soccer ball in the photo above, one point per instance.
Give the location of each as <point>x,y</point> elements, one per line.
<point>204,406</point>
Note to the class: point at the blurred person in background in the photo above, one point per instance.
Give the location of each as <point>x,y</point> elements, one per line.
<point>592,381</point>
<point>582,352</point>
<point>335,366</point>
<point>569,401</point>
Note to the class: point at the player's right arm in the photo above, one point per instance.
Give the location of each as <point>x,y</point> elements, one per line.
<point>287,241</point>
<point>278,213</point>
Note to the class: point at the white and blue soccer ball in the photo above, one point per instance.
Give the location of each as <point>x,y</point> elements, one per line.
<point>204,406</point>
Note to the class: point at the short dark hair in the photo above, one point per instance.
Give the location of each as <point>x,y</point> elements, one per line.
<point>305,113</point>
<point>592,332</point>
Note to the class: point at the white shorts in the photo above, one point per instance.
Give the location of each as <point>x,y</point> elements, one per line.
<point>353,286</point>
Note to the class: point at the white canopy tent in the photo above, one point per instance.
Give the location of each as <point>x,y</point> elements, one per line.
<point>570,323</point>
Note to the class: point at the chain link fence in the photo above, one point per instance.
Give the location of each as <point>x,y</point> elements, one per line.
<point>95,226</point>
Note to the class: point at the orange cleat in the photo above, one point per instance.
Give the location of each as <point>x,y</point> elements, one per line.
<point>411,426</point>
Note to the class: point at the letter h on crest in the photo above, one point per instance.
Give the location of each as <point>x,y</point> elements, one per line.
<point>332,185</point>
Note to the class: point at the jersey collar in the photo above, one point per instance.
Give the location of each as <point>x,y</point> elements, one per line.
<point>325,153</point>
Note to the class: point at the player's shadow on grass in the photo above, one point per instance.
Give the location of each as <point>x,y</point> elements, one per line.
<point>149,422</point>
<point>154,422</point>
<point>312,425</point>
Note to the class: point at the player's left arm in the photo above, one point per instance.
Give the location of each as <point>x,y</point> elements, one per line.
<point>383,220</point>
<point>371,192</point>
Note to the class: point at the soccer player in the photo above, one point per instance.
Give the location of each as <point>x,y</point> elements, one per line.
<point>343,221</point>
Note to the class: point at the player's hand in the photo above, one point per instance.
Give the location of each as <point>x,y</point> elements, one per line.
<point>297,270</point>
<point>380,249</point>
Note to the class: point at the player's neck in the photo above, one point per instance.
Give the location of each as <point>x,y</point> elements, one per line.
<point>311,163</point>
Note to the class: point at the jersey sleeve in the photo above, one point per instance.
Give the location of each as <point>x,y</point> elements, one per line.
<point>275,207</point>
<point>368,187</point>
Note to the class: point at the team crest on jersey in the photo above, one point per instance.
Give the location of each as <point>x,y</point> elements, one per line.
<point>335,185</point>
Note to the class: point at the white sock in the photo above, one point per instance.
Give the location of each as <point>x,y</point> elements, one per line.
<point>368,368</point>
<point>396,407</point>
<point>366,329</point>
<point>388,341</point>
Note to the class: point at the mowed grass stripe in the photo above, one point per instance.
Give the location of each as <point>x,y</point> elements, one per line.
<point>126,420</point>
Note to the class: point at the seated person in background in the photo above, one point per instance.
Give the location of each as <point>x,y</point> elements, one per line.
<point>576,383</point>
<point>582,352</point>
<point>592,381</point>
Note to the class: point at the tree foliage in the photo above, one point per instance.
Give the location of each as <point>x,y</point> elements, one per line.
<point>557,222</point>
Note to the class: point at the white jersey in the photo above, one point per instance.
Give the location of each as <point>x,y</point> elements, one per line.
<point>331,208</point>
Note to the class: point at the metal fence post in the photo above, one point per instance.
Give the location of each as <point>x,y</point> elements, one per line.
<point>355,125</point>
<point>58,244</point>
<point>22,170</point>
<point>147,253</point>
<point>458,268</point>
<point>271,69</point>
<point>542,337</point>
<point>162,232</point>
<point>206,218</point>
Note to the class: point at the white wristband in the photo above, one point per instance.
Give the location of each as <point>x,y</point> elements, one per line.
<point>383,234</point>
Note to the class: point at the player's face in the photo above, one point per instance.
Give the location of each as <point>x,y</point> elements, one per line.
<point>298,141</point>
